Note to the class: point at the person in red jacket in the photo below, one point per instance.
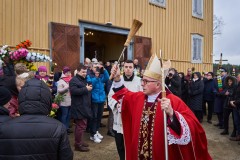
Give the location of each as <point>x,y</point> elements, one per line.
<point>142,120</point>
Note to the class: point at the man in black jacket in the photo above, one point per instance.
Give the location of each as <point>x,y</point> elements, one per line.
<point>5,97</point>
<point>34,135</point>
<point>209,93</point>
<point>81,105</point>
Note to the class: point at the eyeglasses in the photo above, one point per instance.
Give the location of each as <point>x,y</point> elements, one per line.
<point>144,81</point>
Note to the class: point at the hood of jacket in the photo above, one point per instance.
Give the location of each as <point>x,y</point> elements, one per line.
<point>35,98</point>
<point>234,80</point>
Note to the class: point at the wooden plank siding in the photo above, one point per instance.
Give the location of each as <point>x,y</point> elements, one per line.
<point>169,28</point>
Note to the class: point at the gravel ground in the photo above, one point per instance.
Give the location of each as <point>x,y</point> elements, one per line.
<point>220,147</point>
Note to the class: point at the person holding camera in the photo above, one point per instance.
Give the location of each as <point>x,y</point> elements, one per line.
<point>80,105</point>
<point>173,81</point>
<point>97,80</point>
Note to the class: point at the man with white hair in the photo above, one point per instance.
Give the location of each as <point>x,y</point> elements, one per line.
<point>142,119</point>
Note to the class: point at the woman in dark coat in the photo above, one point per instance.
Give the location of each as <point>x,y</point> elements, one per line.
<point>230,85</point>
<point>195,92</point>
<point>184,87</point>
<point>235,103</point>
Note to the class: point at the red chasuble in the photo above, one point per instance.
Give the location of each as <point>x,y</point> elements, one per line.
<point>147,141</point>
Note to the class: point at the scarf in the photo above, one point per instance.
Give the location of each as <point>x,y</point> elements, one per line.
<point>67,79</point>
<point>45,78</point>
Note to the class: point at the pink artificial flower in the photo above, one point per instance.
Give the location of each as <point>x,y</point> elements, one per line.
<point>55,106</point>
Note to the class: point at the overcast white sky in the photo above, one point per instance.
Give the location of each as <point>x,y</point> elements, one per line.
<point>228,42</point>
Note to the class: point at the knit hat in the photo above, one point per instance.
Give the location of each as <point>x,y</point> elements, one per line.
<point>5,95</point>
<point>66,69</point>
<point>94,60</point>
<point>42,69</point>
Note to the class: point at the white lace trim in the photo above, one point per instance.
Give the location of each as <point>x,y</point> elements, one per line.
<point>186,134</point>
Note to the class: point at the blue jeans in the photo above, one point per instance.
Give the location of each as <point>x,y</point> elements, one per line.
<point>97,112</point>
<point>65,115</point>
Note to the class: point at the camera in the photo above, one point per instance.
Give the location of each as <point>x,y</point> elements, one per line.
<point>97,69</point>
<point>170,75</point>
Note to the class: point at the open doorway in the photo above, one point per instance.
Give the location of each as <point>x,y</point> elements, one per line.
<point>104,42</point>
<point>103,45</point>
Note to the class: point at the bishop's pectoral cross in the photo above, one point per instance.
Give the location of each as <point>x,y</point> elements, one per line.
<point>147,113</point>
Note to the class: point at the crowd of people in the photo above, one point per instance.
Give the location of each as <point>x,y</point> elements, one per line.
<point>26,102</point>
<point>203,92</point>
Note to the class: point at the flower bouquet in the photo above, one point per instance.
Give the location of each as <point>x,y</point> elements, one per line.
<point>54,109</point>
<point>55,105</point>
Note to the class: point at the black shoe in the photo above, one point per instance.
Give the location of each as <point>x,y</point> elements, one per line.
<point>225,132</point>
<point>87,130</point>
<point>82,149</point>
<point>110,133</point>
<point>233,134</point>
<point>209,121</point>
<point>221,127</point>
<point>217,125</point>
<point>85,144</point>
<point>69,131</point>
<point>102,125</point>
<point>237,138</point>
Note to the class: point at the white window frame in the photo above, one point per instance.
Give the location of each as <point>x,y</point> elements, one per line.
<point>197,8</point>
<point>160,3</point>
<point>197,48</point>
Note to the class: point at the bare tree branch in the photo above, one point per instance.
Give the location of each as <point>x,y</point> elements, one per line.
<point>218,24</point>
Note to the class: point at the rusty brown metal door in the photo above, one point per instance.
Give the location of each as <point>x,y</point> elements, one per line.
<point>142,50</point>
<point>65,45</point>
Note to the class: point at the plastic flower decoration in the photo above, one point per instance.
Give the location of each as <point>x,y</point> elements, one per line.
<point>37,57</point>
<point>18,54</point>
<point>23,55</point>
<point>24,44</point>
<point>4,51</point>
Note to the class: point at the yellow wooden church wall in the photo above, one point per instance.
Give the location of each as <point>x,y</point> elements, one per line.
<point>170,28</point>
